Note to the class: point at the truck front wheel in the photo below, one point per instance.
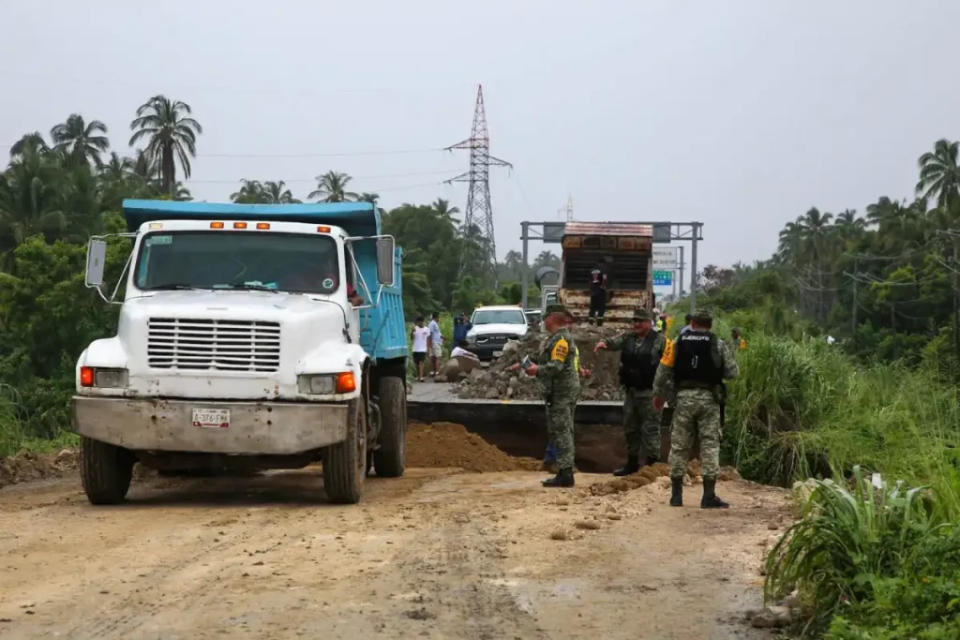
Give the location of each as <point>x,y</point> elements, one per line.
<point>345,463</point>
<point>391,458</point>
<point>105,470</point>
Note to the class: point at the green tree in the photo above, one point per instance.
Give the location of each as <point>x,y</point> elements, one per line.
<point>80,141</point>
<point>277,192</point>
<point>331,187</point>
<point>171,136</point>
<point>251,192</point>
<point>33,141</point>
<point>939,173</point>
<point>444,210</point>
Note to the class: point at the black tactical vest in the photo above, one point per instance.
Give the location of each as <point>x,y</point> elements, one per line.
<point>637,363</point>
<point>697,360</point>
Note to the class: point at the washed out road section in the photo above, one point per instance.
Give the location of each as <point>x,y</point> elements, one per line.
<point>439,553</point>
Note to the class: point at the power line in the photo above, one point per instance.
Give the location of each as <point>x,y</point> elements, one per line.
<point>292,180</point>
<point>332,154</point>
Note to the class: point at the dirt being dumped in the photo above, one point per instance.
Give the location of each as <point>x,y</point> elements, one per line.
<point>496,382</point>
<point>28,465</point>
<point>447,444</point>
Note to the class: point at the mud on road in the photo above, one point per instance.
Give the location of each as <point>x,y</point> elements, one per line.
<point>439,553</point>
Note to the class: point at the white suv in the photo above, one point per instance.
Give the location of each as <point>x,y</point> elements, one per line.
<point>492,327</point>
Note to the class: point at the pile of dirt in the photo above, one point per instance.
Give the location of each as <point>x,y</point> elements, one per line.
<point>28,465</point>
<point>495,382</point>
<point>447,444</point>
<point>649,474</point>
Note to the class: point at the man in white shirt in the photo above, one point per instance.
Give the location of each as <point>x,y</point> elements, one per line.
<point>421,338</point>
<point>436,344</point>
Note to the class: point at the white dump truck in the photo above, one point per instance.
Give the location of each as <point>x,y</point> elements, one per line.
<point>249,337</point>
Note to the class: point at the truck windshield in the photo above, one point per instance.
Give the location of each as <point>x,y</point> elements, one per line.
<point>498,316</point>
<point>238,260</point>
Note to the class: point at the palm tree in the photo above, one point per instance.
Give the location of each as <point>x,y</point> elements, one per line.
<point>171,136</point>
<point>116,169</point>
<point>513,261</point>
<point>791,242</point>
<point>815,227</point>
<point>939,173</point>
<point>444,210</point>
<point>277,193</point>
<point>331,187</point>
<point>250,193</point>
<point>78,140</point>
<point>32,141</point>
<point>372,198</point>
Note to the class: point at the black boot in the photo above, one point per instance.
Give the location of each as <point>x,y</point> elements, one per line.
<point>632,466</point>
<point>564,478</point>
<point>710,499</point>
<point>651,460</point>
<point>676,494</point>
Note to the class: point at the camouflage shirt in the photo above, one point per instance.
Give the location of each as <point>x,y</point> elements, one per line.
<point>559,362</point>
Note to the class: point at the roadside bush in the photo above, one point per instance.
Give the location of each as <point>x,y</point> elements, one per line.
<point>876,557</point>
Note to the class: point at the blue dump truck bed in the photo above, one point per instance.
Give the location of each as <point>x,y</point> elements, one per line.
<point>382,327</point>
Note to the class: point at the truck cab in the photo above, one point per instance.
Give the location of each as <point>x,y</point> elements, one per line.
<point>249,337</point>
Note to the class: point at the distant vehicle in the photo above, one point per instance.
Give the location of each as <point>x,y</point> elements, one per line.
<point>548,296</point>
<point>624,252</point>
<point>493,327</point>
<point>250,336</point>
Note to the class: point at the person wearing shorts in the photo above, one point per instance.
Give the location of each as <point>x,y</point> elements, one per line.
<point>421,337</point>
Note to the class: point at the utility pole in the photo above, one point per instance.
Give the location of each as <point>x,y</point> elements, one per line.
<point>693,267</point>
<point>479,211</point>
<point>681,271</point>
<point>853,332</point>
<point>524,236</point>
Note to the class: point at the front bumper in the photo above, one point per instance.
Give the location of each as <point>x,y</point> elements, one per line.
<point>152,424</point>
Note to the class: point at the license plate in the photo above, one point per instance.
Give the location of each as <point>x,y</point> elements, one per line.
<point>211,418</point>
<point>497,354</point>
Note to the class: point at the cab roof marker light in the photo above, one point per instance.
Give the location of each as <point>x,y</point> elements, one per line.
<point>323,229</point>
<point>263,226</point>
<point>216,225</point>
<point>155,225</point>
<point>239,225</point>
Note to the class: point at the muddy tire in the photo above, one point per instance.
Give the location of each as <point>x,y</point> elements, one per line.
<point>345,463</point>
<point>105,470</point>
<point>391,458</point>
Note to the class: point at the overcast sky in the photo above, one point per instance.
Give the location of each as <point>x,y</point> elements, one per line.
<point>738,114</point>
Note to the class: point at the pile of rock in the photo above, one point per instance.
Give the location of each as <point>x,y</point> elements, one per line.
<point>497,382</point>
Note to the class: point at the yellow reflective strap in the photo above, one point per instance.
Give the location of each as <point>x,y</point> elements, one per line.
<point>668,356</point>
<point>560,350</point>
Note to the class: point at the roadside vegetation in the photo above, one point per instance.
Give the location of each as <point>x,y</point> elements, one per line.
<point>851,378</point>
<point>61,187</point>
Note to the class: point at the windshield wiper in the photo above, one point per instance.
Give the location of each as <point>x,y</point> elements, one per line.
<point>252,286</point>
<point>172,285</point>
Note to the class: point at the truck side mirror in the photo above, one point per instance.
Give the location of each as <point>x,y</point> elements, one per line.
<point>96,260</point>
<point>385,261</point>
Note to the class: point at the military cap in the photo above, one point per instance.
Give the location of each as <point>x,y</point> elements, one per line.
<point>642,314</point>
<point>702,314</point>
<point>557,308</point>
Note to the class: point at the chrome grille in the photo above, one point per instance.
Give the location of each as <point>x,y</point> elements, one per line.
<point>223,345</point>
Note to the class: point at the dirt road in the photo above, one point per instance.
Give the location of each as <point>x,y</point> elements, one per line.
<point>436,554</point>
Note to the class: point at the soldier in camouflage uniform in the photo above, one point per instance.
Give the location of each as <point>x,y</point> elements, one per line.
<point>640,352</point>
<point>557,369</point>
<point>696,365</point>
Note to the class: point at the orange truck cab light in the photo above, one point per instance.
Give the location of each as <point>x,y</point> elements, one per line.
<point>86,376</point>
<point>346,382</point>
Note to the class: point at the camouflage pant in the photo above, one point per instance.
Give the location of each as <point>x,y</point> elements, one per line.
<point>697,413</point>
<point>641,423</point>
<point>560,430</point>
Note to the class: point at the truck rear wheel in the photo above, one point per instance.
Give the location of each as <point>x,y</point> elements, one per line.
<point>105,470</point>
<point>345,463</point>
<point>391,458</point>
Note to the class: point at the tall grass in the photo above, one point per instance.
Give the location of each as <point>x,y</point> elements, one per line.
<point>871,558</point>
<point>805,409</point>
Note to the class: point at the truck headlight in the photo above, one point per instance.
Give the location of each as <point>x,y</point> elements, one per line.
<point>103,377</point>
<point>320,385</point>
